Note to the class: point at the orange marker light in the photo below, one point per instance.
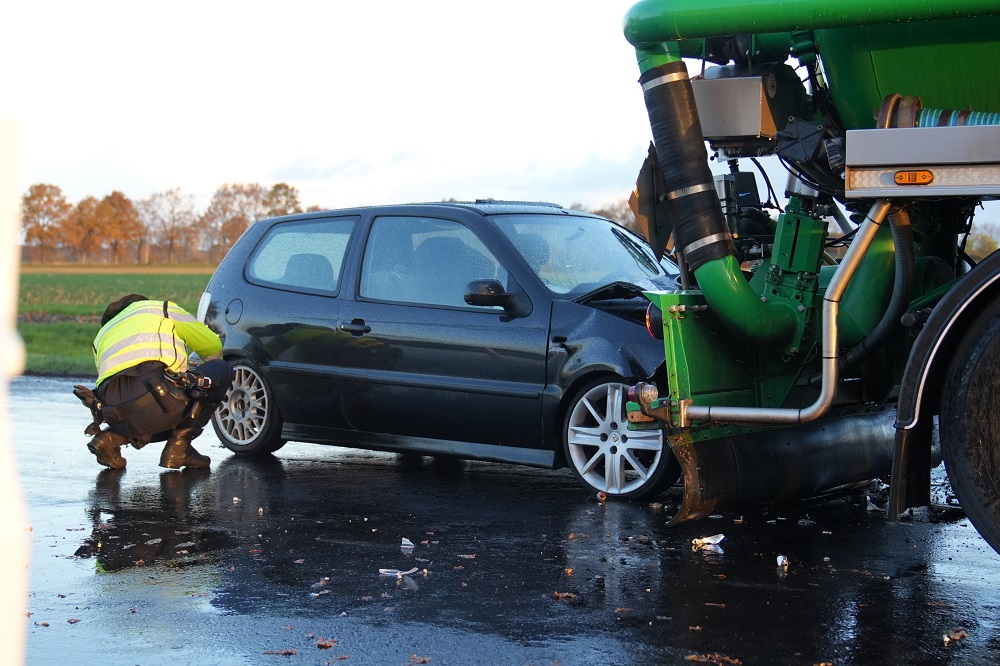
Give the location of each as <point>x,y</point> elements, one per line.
<point>916,177</point>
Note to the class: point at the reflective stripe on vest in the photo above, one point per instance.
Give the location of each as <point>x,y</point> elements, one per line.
<point>141,332</point>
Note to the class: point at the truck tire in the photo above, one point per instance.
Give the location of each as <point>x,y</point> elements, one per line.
<point>970,424</point>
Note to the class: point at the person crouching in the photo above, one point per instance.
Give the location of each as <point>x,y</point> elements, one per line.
<point>145,390</point>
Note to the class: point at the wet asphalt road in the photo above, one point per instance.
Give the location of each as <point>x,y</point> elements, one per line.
<point>278,562</point>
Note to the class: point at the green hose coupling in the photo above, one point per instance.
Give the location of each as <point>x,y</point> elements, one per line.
<point>740,309</point>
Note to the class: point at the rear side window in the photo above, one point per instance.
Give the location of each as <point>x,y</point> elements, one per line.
<point>305,256</point>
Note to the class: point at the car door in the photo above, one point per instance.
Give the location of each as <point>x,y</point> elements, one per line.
<point>297,271</point>
<point>421,361</point>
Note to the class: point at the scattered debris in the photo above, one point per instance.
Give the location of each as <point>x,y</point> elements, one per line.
<point>468,557</point>
<point>325,643</point>
<point>397,573</point>
<point>713,658</point>
<point>656,506</point>
<point>602,496</point>
<point>260,511</point>
<point>563,595</point>
<point>873,507</point>
<point>805,522</point>
<point>72,620</point>
<point>955,635</point>
<point>289,652</point>
<point>709,544</point>
<point>782,562</point>
<point>236,500</point>
<point>415,659</point>
<point>406,543</point>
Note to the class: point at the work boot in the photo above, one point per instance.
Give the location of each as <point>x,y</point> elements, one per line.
<point>178,451</point>
<point>105,445</point>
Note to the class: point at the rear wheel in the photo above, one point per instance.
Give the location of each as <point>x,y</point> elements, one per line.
<point>608,457</point>
<point>248,422</point>
<point>970,424</point>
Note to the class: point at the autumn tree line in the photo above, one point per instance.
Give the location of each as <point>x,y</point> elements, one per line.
<point>164,228</point>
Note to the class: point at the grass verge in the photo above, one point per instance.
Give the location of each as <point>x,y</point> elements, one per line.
<point>59,308</point>
<point>59,348</point>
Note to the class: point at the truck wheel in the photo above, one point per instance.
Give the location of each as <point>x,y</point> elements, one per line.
<point>970,424</point>
<point>608,457</point>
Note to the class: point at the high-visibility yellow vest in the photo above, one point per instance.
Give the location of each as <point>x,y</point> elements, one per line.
<point>151,331</point>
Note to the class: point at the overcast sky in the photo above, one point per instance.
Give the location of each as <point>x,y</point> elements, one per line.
<point>351,102</point>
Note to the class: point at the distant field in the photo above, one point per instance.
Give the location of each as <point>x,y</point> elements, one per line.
<point>86,292</point>
<point>59,307</point>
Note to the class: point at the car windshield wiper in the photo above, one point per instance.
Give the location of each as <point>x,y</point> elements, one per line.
<point>636,250</point>
<point>611,291</point>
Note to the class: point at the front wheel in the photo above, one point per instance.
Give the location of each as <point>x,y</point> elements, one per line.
<point>248,422</point>
<point>608,457</point>
<point>970,424</point>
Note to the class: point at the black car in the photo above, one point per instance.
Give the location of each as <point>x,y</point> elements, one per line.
<point>500,331</point>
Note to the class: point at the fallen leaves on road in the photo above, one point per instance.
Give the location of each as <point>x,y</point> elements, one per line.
<point>955,635</point>
<point>564,595</point>
<point>415,659</point>
<point>713,658</point>
<point>325,643</point>
<point>72,620</point>
<point>289,652</point>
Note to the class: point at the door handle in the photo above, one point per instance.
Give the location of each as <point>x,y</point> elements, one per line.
<point>357,327</point>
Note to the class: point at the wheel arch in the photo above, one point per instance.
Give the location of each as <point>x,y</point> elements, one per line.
<point>930,357</point>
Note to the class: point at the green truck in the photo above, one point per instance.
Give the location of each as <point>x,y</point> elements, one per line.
<point>847,335</point>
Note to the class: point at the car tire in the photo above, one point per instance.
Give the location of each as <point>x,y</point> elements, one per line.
<point>604,455</point>
<point>970,424</point>
<point>248,422</point>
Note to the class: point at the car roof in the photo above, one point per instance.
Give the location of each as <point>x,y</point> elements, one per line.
<point>481,206</point>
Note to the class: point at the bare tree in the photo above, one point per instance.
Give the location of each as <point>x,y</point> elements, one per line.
<point>232,209</point>
<point>44,210</point>
<point>283,199</point>
<point>169,217</point>
<point>620,212</point>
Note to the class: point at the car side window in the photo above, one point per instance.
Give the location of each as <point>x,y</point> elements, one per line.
<point>305,255</point>
<point>427,261</point>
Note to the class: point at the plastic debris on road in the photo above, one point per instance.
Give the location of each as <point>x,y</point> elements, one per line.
<point>397,573</point>
<point>782,562</point>
<point>406,546</point>
<point>709,544</point>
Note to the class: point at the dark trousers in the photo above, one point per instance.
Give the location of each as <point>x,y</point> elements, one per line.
<point>145,405</point>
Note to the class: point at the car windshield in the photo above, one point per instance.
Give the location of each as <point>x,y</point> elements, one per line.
<point>575,254</point>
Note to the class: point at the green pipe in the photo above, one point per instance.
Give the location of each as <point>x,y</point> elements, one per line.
<point>740,309</point>
<point>652,21</point>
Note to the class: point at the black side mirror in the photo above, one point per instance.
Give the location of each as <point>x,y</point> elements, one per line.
<point>492,293</point>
